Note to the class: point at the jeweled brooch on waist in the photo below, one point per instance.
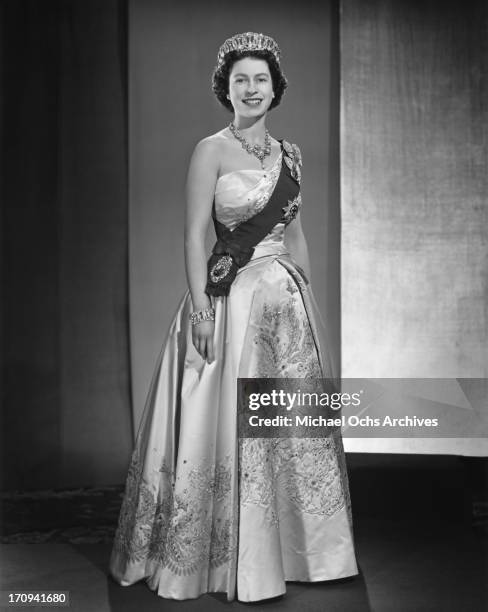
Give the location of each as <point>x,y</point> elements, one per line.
<point>221,268</point>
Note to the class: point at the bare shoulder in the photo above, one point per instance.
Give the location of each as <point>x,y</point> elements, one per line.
<point>207,146</point>
<point>209,151</point>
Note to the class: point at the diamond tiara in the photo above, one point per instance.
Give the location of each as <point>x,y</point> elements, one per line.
<point>248,41</point>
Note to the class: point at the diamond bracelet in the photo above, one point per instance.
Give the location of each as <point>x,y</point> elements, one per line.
<point>208,314</point>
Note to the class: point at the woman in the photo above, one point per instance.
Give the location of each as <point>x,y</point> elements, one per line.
<point>203,510</point>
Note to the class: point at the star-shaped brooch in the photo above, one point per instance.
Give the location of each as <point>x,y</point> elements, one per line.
<point>290,211</point>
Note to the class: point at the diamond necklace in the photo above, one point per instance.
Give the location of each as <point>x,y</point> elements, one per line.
<point>261,152</point>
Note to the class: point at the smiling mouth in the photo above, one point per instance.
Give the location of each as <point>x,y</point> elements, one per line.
<point>252,101</point>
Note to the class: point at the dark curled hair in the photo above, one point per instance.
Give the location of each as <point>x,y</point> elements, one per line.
<point>220,77</point>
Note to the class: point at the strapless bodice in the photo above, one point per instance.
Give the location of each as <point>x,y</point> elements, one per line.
<point>241,194</point>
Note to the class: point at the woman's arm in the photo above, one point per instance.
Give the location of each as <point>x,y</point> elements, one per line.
<point>297,244</point>
<point>200,189</point>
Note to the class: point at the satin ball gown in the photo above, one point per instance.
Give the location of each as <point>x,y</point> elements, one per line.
<point>203,510</point>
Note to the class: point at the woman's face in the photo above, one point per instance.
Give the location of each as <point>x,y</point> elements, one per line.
<point>250,87</point>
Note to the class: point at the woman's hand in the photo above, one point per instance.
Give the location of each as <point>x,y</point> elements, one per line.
<point>203,339</point>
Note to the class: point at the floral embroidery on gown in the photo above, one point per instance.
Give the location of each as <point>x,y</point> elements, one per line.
<point>203,510</point>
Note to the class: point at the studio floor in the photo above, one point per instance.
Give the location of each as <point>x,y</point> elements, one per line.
<point>419,548</point>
